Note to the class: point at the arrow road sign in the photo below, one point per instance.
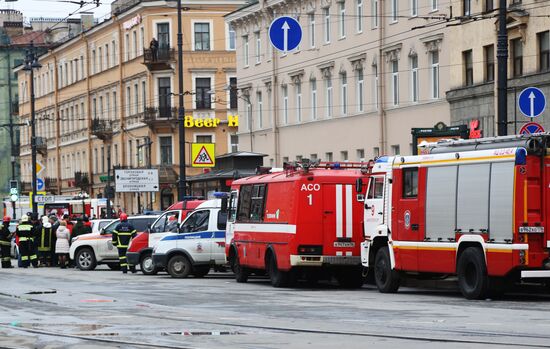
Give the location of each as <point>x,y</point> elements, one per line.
<point>531,102</point>
<point>40,184</point>
<point>285,33</point>
<point>531,128</point>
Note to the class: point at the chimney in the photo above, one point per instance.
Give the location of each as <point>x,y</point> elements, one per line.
<point>87,19</point>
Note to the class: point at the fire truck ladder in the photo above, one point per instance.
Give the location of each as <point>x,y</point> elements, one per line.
<point>532,143</point>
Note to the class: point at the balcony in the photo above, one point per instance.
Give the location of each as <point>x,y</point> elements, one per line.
<point>160,117</point>
<point>102,129</point>
<point>82,180</point>
<point>42,146</point>
<point>51,185</point>
<point>162,61</point>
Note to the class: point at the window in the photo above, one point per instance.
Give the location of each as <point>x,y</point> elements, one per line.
<point>107,57</point>
<point>395,149</point>
<point>414,8</point>
<point>232,38</point>
<point>489,6</point>
<point>467,7</point>
<point>202,93</point>
<point>344,92</point>
<point>245,50</point>
<point>197,221</point>
<point>360,90</point>
<point>113,51</point>
<point>249,115</point>
<point>328,156</point>
<point>394,10</point>
<point>202,36</point>
<point>360,154</point>
<point>298,88</point>
<point>135,44</point>
<point>414,78</point>
<point>83,72</point>
<point>168,222</point>
<point>344,155</point>
<point>359,14</point>
<point>468,68</point>
<point>164,97</point>
<point>128,101</point>
<point>326,24</point>
<point>410,182</point>
<point>517,57</point>
<point>311,30</point>
<point>544,50</point>
<point>165,150</point>
<point>285,104</point>
<point>374,12</point>
<point>233,93</point>
<point>376,188</point>
<point>100,59</point>
<point>375,86</point>
<point>259,109</point>
<point>395,82</point>
<point>107,106</point>
<point>489,53</point>
<point>328,84</point>
<point>313,86</point>
<point>234,140</point>
<point>258,48</point>
<point>434,61</point>
<point>342,19</point>
<point>376,152</point>
<point>434,5</point>
<point>163,36</point>
<point>251,203</point>
<point>203,139</point>
<point>94,62</point>
<point>143,96</point>
<point>127,47</point>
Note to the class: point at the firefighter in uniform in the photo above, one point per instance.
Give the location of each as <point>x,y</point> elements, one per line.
<point>123,233</point>
<point>25,232</point>
<point>5,243</point>
<point>45,242</point>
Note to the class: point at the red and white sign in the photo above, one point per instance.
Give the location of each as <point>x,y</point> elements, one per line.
<point>132,22</point>
<point>531,128</point>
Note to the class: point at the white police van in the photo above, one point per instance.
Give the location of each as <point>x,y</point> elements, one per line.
<point>198,246</point>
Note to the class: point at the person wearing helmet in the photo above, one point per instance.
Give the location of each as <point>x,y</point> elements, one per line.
<point>45,242</point>
<point>5,242</point>
<point>123,233</point>
<point>25,232</point>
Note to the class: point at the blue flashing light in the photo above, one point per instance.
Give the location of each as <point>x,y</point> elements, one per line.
<point>336,166</point>
<point>382,159</point>
<point>220,195</point>
<point>521,156</point>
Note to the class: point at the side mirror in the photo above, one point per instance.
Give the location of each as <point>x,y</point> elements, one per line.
<point>359,185</point>
<point>102,231</point>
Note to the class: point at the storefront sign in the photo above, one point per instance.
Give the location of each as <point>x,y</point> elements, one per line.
<point>132,22</point>
<point>190,121</point>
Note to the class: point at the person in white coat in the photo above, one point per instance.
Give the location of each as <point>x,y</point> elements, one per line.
<point>62,244</point>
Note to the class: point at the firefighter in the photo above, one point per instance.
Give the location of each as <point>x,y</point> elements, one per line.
<point>45,242</point>
<point>123,233</point>
<point>25,232</point>
<point>5,242</point>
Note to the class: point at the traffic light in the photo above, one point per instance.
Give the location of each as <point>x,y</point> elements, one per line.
<point>14,190</point>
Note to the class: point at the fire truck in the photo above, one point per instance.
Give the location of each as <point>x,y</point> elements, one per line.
<point>302,222</point>
<point>476,209</point>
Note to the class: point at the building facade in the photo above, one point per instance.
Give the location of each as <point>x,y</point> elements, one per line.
<point>472,94</point>
<point>365,73</point>
<point>108,98</point>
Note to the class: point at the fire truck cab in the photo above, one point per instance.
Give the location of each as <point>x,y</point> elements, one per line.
<point>476,209</point>
<point>304,221</point>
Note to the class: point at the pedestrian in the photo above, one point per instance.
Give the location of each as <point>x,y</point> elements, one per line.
<point>154,47</point>
<point>45,243</point>
<point>55,224</point>
<point>62,244</point>
<point>123,233</point>
<point>5,242</point>
<point>77,229</point>
<point>25,232</point>
<point>87,228</point>
<point>36,227</point>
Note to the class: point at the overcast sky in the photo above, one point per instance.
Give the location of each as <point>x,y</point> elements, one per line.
<point>55,9</point>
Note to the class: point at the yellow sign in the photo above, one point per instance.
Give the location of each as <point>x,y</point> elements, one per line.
<point>37,194</point>
<point>39,167</point>
<point>202,154</point>
<point>190,121</point>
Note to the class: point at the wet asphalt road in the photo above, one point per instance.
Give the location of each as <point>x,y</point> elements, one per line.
<point>54,308</point>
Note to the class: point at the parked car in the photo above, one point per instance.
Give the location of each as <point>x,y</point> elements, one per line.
<point>141,248</point>
<point>89,250</point>
<point>98,224</point>
<point>197,246</point>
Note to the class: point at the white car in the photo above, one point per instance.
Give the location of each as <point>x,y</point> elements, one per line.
<point>199,244</point>
<point>98,224</point>
<point>89,250</point>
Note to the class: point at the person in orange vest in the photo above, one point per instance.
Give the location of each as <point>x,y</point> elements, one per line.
<point>5,242</point>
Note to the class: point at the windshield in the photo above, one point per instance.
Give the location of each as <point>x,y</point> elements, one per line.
<point>197,221</point>
<point>168,222</point>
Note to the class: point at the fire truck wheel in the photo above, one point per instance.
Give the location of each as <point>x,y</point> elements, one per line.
<point>179,267</point>
<point>241,273</point>
<point>277,277</point>
<point>350,277</point>
<point>472,274</point>
<point>146,264</point>
<point>386,278</point>
<point>201,271</point>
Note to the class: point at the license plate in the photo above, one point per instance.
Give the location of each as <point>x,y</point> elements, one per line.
<point>344,244</point>
<point>531,229</point>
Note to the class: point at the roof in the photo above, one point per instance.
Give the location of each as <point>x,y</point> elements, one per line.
<point>37,37</point>
<point>327,175</point>
<point>222,174</point>
<point>240,154</point>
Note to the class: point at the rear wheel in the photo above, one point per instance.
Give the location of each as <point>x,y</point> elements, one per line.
<point>201,271</point>
<point>472,274</point>
<point>146,264</point>
<point>179,267</point>
<point>386,278</point>
<point>277,277</point>
<point>85,259</point>
<point>241,273</point>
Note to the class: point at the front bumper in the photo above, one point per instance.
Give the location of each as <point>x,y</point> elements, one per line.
<point>132,258</point>
<point>319,261</point>
<point>531,274</point>
<point>160,260</point>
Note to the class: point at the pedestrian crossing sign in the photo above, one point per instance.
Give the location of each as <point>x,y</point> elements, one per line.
<point>203,155</point>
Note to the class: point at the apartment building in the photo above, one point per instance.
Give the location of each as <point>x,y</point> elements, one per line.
<point>473,48</point>
<point>107,100</point>
<point>364,74</point>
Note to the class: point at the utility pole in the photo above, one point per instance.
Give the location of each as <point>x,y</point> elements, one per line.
<point>502,69</point>
<point>12,144</point>
<point>181,111</point>
<point>108,189</point>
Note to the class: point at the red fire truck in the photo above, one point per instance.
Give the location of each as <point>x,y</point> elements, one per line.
<point>472,208</point>
<point>303,221</point>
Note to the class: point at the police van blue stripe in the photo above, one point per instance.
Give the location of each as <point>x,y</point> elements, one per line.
<point>220,234</point>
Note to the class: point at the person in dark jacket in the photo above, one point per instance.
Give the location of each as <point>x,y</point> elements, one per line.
<point>87,228</point>
<point>55,224</point>
<point>5,242</point>
<point>78,228</point>
<point>123,233</point>
<point>25,232</point>
<point>45,242</point>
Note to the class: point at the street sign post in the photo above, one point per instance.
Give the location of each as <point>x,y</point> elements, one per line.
<point>531,128</point>
<point>40,184</point>
<point>135,181</point>
<point>285,33</point>
<point>202,155</point>
<point>45,198</point>
<point>531,102</point>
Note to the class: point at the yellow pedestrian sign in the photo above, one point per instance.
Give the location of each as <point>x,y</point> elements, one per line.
<point>203,155</point>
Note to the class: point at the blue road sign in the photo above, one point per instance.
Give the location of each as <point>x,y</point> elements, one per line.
<point>39,184</point>
<point>531,102</point>
<point>285,33</point>
<point>531,128</point>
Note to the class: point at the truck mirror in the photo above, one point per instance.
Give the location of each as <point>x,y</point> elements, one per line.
<point>359,185</point>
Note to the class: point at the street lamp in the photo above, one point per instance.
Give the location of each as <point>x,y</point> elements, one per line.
<point>31,63</point>
<point>182,183</point>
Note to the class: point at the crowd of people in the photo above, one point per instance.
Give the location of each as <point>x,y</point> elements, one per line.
<point>42,241</point>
